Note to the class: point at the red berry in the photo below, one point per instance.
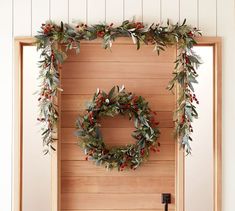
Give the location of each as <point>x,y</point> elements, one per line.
<point>100,34</point>
<point>190,34</point>
<point>142,152</point>
<point>187,60</point>
<point>153,149</point>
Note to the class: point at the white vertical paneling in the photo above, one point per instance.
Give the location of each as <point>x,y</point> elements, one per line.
<point>207,17</point>
<point>189,10</point>
<point>226,29</point>
<point>151,11</point>
<point>170,10</point>
<point>96,11</point>
<point>133,9</point>
<point>77,11</point>
<point>22,18</point>
<point>40,14</point>
<point>114,11</point>
<point>59,11</point>
<point>6,78</point>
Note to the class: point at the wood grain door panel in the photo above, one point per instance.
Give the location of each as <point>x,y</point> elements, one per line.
<point>85,186</point>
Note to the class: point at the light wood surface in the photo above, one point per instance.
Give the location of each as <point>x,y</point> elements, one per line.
<point>86,186</point>
<point>89,86</point>
<point>117,184</point>
<point>112,201</point>
<point>87,168</point>
<point>109,70</point>
<point>217,124</point>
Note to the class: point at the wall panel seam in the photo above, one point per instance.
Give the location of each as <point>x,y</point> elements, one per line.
<point>216,18</point>
<point>105,11</point>
<point>123,8</point>
<point>31,18</point>
<point>68,12</point>
<point>142,10</point>
<point>49,9</point>
<point>86,11</point>
<point>179,11</point>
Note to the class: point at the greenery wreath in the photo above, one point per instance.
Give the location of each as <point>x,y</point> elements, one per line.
<point>52,36</point>
<point>116,102</point>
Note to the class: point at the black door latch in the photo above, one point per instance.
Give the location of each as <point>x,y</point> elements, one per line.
<point>166,199</point>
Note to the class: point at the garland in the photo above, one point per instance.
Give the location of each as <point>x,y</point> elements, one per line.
<point>116,102</point>
<point>51,36</point>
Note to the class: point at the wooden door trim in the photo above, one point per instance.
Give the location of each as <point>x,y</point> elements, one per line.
<point>18,118</point>
<point>179,201</point>
<point>216,43</point>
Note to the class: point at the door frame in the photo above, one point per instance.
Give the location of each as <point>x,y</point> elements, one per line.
<point>215,42</point>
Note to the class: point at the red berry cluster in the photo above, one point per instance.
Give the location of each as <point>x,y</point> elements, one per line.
<point>186,58</point>
<point>47,28</point>
<point>41,119</point>
<point>81,25</point>
<point>190,34</point>
<point>153,121</point>
<point>183,118</point>
<point>122,166</point>
<point>100,100</point>
<point>155,149</point>
<point>135,103</point>
<point>100,33</point>
<point>193,98</point>
<point>138,25</point>
<point>91,117</point>
<point>46,94</point>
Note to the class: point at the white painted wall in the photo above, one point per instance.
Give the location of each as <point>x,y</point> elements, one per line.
<point>36,186</point>
<point>23,18</point>
<point>199,165</point>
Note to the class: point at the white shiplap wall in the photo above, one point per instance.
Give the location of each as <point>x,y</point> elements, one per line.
<point>29,14</point>
<point>23,18</point>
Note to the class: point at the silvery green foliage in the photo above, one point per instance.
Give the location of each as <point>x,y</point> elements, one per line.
<point>52,37</point>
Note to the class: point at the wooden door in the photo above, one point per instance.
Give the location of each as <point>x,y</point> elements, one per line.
<point>85,186</point>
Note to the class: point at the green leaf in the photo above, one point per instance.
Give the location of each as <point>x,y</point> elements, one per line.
<point>111,92</point>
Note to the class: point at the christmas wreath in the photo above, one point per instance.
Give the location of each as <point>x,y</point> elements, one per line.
<point>116,102</point>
